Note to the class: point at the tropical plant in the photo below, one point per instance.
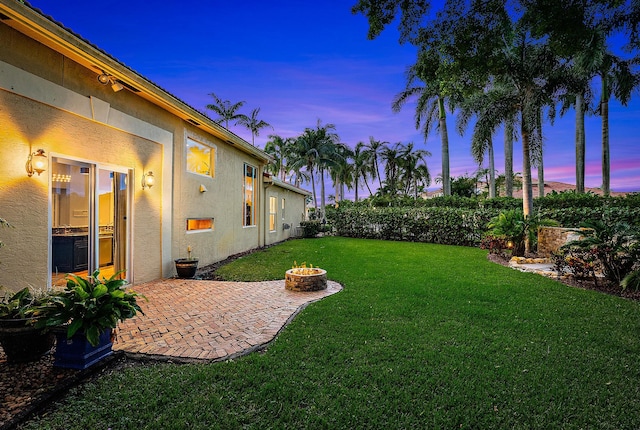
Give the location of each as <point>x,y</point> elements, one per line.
<point>616,245</point>
<point>22,304</point>
<point>253,124</point>
<point>414,174</point>
<point>516,228</point>
<point>90,305</point>
<point>226,110</point>
<point>631,281</point>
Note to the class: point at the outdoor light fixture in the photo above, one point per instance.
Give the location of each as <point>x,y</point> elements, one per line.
<point>116,86</point>
<point>105,79</point>
<point>147,180</point>
<point>37,162</point>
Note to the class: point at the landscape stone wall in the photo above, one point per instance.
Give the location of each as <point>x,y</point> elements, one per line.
<point>550,239</point>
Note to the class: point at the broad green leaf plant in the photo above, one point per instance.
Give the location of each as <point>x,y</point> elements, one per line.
<point>91,305</point>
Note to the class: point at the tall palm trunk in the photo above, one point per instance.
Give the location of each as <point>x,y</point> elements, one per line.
<point>604,112</point>
<point>367,185</point>
<point>313,189</point>
<point>580,144</point>
<point>322,191</point>
<point>540,157</point>
<point>540,177</point>
<point>492,171</point>
<point>356,187</point>
<point>508,158</point>
<point>444,137</point>
<point>527,192</point>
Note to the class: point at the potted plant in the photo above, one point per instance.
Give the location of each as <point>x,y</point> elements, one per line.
<point>186,267</point>
<point>21,340</point>
<point>85,314</point>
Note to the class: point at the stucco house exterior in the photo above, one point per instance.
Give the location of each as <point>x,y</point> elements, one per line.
<point>132,176</point>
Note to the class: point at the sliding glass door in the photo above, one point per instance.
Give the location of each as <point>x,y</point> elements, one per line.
<point>89,228</point>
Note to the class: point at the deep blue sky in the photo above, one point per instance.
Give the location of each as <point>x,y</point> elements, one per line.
<point>300,61</point>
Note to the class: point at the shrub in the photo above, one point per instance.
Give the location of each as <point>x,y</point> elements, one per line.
<point>461,221</point>
<point>632,280</point>
<point>495,245</point>
<point>616,246</point>
<point>311,228</point>
<point>515,228</point>
<point>582,264</point>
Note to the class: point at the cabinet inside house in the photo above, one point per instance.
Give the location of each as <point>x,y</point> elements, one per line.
<point>88,219</point>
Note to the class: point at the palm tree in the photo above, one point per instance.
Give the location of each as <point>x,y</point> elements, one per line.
<point>374,150</point>
<point>253,124</point>
<point>314,150</point>
<point>361,167</point>
<point>226,110</point>
<point>579,31</point>
<point>617,80</point>
<point>527,77</point>
<point>342,171</point>
<point>413,171</point>
<point>279,148</point>
<point>430,108</point>
<point>481,143</point>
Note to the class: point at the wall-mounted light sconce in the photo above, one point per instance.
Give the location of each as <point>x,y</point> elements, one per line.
<point>147,180</point>
<point>203,189</point>
<point>105,79</point>
<point>37,162</point>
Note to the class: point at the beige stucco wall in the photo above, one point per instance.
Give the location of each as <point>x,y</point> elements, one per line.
<point>222,201</point>
<point>25,201</point>
<point>294,213</point>
<point>49,102</point>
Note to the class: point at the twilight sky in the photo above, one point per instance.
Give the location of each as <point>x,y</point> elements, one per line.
<point>300,61</point>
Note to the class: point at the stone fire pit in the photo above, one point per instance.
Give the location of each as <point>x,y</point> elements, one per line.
<point>304,279</point>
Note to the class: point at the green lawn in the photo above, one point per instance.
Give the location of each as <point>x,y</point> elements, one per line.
<point>422,336</point>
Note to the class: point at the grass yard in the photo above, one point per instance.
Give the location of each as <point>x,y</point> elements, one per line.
<point>422,336</point>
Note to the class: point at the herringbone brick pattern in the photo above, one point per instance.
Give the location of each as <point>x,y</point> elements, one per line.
<point>210,320</point>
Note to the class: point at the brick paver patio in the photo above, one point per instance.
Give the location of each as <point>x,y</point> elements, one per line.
<point>191,320</point>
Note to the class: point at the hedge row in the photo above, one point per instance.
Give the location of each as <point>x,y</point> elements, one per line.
<point>564,200</point>
<point>452,226</point>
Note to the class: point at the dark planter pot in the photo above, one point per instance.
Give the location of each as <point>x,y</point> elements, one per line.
<point>22,342</point>
<point>186,268</point>
<point>78,353</point>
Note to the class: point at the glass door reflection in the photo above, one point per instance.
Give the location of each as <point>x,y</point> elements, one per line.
<point>89,228</point>
<point>71,213</point>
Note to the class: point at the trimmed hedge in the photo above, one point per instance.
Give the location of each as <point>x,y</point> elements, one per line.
<point>453,226</point>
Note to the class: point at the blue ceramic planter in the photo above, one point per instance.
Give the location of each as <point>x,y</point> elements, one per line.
<point>77,352</point>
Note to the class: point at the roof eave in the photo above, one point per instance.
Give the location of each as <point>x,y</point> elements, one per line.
<point>28,20</point>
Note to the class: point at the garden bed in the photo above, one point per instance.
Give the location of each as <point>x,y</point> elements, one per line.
<point>586,284</point>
